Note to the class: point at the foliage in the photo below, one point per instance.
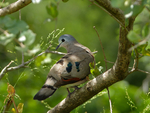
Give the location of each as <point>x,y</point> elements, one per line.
<point>34,33</point>
<point>10,99</point>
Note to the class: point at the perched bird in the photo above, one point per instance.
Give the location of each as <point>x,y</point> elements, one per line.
<point>70,71</point>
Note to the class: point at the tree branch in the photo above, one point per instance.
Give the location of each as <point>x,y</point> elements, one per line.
<point>7,68</point>
<point>14,7</point>
<point>123,59</point>
<point>4,70</point>
<point>116,13</point>
<point>118,72</point>
<point>80,96</point>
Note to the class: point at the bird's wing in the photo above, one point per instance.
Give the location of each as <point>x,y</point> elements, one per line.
<point>71,68</point>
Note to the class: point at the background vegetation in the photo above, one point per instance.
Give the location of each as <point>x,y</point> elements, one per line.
<point>31,35</point>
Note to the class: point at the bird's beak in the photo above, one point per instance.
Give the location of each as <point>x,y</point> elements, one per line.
<point>58,46</point>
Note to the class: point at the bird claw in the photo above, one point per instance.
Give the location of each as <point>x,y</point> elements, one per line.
<point>76,88</point>
<point>69,93</point>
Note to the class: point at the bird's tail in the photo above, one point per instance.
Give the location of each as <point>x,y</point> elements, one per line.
<point>47,90</point>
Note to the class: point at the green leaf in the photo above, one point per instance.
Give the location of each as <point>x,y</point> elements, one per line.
<point>28,37</point>
<point>148,46</point>
<point>117,3</point>
<point>22,49</point>
<point>144,2</point>
<point>39,60</point>
<point>91,64</point>
<point>145,30</point>
<point>133,10</point>
<point>133,37</point>
<point>20,107</point>
<point>65,0</point>
<point>94,69</point>
<point>5,39</point>
<point>137,9</point>
<point>17,27</point>
<point>4,4</point>
<point>34,50</point>
<point>146,50</point>
<point>126,22</point>
<point>52,10</point>
<point>36,1</point>
<point>7,21</point>
<point>47,59</point>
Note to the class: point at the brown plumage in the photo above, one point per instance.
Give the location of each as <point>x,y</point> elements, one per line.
<point>71,70</point>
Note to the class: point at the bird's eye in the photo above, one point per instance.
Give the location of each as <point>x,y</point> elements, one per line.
<point>63,40</point>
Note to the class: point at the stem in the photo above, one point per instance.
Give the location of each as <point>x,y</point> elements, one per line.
<point>14,105</point>
<point>110,103</point>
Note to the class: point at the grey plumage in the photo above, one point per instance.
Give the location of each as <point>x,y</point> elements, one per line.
<point>71,70</point>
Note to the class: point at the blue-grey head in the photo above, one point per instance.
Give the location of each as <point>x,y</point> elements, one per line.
<point>65,41</point>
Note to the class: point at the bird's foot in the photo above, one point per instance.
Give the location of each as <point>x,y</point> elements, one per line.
<point>69,93</point>
<point>76,88</point>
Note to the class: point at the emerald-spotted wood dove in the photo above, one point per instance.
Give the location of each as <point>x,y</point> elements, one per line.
<point>70,71</point>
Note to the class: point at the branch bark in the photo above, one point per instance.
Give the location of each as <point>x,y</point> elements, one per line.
<point>14,7</point>
<point>118,72</point>
<point>116,13</point>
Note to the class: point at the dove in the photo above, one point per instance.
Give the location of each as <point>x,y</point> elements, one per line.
<point>70,71</point>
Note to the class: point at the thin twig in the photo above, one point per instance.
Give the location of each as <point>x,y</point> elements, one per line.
<point>147,8</point>
<point>21,42</point>
<point>20,14</point>
<point>136,62</point>
<point>137,59</point>
<point>143,71</point>
<point>7,105</point>
<point>101,47</point>
<point>109,61</point>
<point>4,31</point>
<point>4,70</point>
<point>7,68</point>
<point>140,43</point>
<point>110,103</point>
<point>122,24</point>
<point>146,72</point>
<point>14,104</point>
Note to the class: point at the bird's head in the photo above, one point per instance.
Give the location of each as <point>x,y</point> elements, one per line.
<point>65,41</point>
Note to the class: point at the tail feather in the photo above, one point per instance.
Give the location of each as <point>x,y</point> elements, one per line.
<point>45,92</point>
